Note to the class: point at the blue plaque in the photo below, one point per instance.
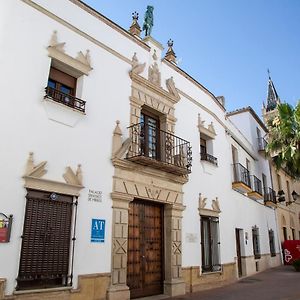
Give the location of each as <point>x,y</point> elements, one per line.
<point>98,231</point>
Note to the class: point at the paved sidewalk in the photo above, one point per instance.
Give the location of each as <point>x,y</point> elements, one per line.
<point>280,283</point>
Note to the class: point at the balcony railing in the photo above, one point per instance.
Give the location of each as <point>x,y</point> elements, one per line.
<point>241,174</point>
<point>256,185</point>
<point>66,99</point>
<point>262,144</point>
<point>213,160</point>
<point>270,196</point>
<point>159,149</point>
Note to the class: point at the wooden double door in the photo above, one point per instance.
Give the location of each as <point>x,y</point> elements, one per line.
<point>145,272</point>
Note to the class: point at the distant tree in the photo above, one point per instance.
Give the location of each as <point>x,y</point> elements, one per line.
<point>284,139</point>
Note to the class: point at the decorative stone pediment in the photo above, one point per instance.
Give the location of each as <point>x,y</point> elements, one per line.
<point>171,87</point>
<point>78,66</point>
<point>154,74</point>
<point>214,211</point>
<point>137,68</point>
<point>209,131</point>
<point>34,179</point>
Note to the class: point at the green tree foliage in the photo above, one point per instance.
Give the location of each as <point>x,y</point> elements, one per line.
<point>284,139</point>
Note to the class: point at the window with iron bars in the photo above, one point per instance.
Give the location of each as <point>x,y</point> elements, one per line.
<point>256,245</point>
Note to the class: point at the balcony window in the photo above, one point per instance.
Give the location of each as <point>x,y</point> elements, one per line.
<point>203,152</point>
<point>270,197</point>
<point>61,88</point>
<point>157,148</point>
<point>241,178</point>
<point>256,187</point>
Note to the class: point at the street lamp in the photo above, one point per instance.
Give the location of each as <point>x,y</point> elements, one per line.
<point>295,196</point>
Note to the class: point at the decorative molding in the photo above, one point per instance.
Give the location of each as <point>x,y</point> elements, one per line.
<point>215,207</point>
<point>74,66</point>
<point>137,68</point>
<point>154,75</point>
<point>153,88</point>
<point>34,173</point>
<point>171,87</point>
<point>202,201</point>
<point>209,131</point>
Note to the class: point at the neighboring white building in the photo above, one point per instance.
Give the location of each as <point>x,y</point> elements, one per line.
<point>125,176</point>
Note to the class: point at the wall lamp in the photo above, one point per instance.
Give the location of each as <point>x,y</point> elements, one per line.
<point>295,196</point>
<point>280,196</point>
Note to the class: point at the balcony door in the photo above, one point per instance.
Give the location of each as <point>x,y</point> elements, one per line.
<point>150,135</point>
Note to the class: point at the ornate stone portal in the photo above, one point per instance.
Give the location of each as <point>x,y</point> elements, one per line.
<point>132,181</point>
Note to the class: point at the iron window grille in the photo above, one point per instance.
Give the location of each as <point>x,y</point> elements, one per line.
<point>272,242</point>
<point>255,240</point>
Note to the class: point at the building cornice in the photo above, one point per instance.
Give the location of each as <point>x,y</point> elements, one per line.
<point>194,81</point>
<point>110,23</point>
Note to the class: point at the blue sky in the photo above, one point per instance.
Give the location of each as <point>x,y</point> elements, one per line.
<point>226,45</point>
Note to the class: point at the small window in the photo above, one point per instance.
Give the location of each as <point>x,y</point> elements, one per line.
<point>255,240</point>
<point>293,234</point>
<point>206,150</point>
<point>288,191</point>
<point>279,182</point>
<point>272,242</point>
<point>210,244</point>
<point>284,233</point>
<point>61,88</point>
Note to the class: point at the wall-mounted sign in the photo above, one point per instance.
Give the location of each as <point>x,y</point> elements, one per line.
<point>191,237</point>
<point>98,231</point>
<point>95,196</point>
<point>5,227</point>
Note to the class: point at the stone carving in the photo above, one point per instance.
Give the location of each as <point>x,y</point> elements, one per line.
<point>73,178</point>
<point>154,74</point>
<point>171,87</point>
<point>209,131</point>
<point>137,68</point>
<point>202,201</point>
<point>56,50</point>
<point>154,56</point>
<point>120,246</point>
<point>170,55</point>
<point>215,205</point>
<point>135,28</point>
<point>176,247</point>
<point>55,44</point>
<point>148,20</point>
<point>37,171</point>
<point>85,59</point>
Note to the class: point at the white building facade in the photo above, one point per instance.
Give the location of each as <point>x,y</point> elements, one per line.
<point>124,176</point>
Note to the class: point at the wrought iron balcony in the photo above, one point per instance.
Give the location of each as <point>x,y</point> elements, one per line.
<point>207,157</point>
<point>241,179</point>
<point>256,186</point>
<point>270,197</point>
<point>262,144</point>
<point>65,99</point>
<point>159,149</point>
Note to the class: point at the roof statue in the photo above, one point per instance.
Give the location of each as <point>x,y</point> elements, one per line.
<point>148,20</point>
<point>272,98</point>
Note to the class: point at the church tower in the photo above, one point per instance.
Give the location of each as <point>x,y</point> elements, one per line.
<point>270,109</point>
